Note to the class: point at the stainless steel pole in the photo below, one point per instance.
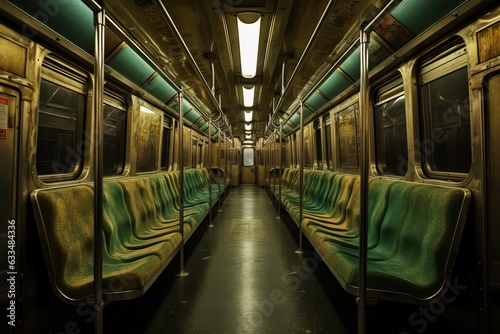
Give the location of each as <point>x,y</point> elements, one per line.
<point>301,177</point>
<point>210,224</point>
<point>182,272</point>
<point>99,22</point>
<point>363,112</point>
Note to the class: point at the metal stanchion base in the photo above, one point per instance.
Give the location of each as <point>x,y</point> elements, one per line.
<point>299,251</point>
<point>278,217</point>
<point>182,273</point>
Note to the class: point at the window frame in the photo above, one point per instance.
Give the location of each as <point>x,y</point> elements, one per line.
<point>114,100</point>
<point>388,91</point>
<point>243,156</point>
<point>57,71</point>
<point>447,60</point>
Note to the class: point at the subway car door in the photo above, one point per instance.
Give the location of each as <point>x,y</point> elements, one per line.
<point>248,171</point>
<point>492,103</point>
<point>9,104</point>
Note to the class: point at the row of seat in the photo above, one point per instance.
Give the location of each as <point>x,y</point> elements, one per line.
<point>141,230</point>
<point>414,230</point>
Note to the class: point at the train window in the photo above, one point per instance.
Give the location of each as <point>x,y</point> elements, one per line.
<point>347,137</point>
<point>444,95</point>
<point>165,144</point>
<point>61,109</point>
<point>328,142</point>
<point>148,139</point>
<point>391,151</point>
<point>248,157</point>
<point>115,132</point>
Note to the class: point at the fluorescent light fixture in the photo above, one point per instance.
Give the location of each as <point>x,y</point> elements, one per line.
<point>248,95</point>
<point>248,127</point>
<point>248,35</point>
<point>248,136</point>
<point>146,110</point>
<point>248,116</point>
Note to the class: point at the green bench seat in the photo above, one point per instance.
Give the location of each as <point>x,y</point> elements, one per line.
<point>65,223</point>
<point>414,258</point>
<point>414,231</point>
<point>141,232</point>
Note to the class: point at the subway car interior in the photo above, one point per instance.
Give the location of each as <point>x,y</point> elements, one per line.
<point>250,166</point>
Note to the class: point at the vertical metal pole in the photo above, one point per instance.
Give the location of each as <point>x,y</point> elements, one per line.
<point>280,155</point>
<point>363,112</point>
<point>301,177</point>
<point>225,166</point>
<point>219,145</point>
<point>265,150</point>
<point>99,22</point>
<point>181,182</point>
<point>210,224</point>
<point>272,167</point>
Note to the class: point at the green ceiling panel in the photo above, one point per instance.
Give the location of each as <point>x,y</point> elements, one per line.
<point>286,129</point>
<point>130,65</point>
<point>186,106</point>
<point>71,19</point>
<point>295,119</point>
<point>204,127</point>
<point>308,112</point>
<point>192,116</point>
<point>159,88</point>
<point>334,85</point>
<point>419,15</point>
<point>351,66</point>
<point>316,101</point>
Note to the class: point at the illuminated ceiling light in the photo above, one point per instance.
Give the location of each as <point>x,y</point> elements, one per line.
<point>248,35</point>
<point>248,94</point>
<point>248,116</point>
<point>248,136</point>
<point>248,127</point>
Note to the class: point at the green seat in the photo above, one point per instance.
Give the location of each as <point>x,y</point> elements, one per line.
<point>64,219</point>
<point>120,237</point>
<point>413,235</point>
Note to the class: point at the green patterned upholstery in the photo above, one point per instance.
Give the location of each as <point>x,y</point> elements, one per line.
<point>414,230</point>
<point>121,239</point>
<point>413,256</point>
<point>65,224</point>
<point>141,231</point>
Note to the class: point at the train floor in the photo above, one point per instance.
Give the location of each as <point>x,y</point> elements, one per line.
<point>244,276</point>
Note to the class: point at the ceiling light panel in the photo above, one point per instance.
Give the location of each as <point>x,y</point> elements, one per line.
<point>248,36</point>
<point>248,96</point>
<point>248,116</point>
